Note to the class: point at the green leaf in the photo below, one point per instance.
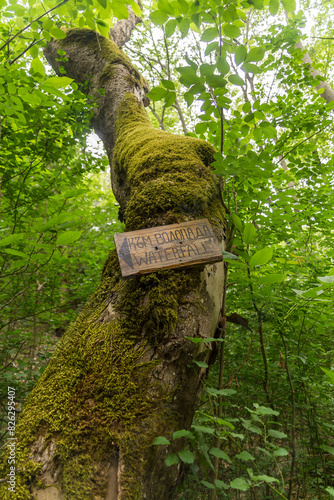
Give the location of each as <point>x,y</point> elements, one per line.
<point>37,66</point>
<point>281,452</point>
<point>273,7</point>
<point>170,99</point>
<point>103,3</point>
<point>16,264</point>
<point>53,222</point>
<point>168,84</point>
<point>277,434</point>
<point>188,74</point>
<point>19,10</point>
<point>229,256</point>
<point>311,294</point>
<point>182,433</point>
<point>237,221</point>
<point>329,373</point>
<point>210,486</point>
<point>186,456</point>
<point>158,18</point>
<point>265,410</point>
<point>326,279</point>
<point>68,237</point>
<point>207,69</point>
<point>213,46</point>
<point>265,478</point>
<point>266,452</point>
<point>240,54</point>
<point>11,251</point>
<point>58,81</point>
<point>240,484</point>
<point>248,67</point>
<point>258,4</point>
<point>216,452</point>
<point>269,132</point>
<point>57,33</point>
<point>238,436</point>
<point>201,364</point>
<point>255,54</point>
<point>172,459</point>
<point>255,430</point>
<point>236,80</point>
<point>103,28</point>
<point>244,455</point>
<point>157,93</point>
<point>12,238</point>
<point>189,98</point>
<point>221,392</point>
<point>261,257</point>
<point>183,26</point>
<point>183,6</point>
<point>247,107</point>
<point>201,127</point>
<point>330,490</point>
<point>272,278</point>
<point>204,429</point>
<point>209,34</point>
<point>164,6</point>
<point>221,485</point>
<point>257,134</point>
<point>170,27</point>
<point>160,440</point>
<point>231,31</point>
<point>289,5</point>
<point>195,28</point>
<point>220,421</point>
<point>249,233</point>
<point>223,66</point>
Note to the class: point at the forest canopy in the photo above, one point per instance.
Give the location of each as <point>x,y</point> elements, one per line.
<point>254,79</point>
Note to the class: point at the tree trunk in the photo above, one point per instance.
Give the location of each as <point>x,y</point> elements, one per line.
<point>123,373</point>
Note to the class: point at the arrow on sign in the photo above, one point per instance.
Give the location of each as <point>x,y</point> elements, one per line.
<point>124,253</point>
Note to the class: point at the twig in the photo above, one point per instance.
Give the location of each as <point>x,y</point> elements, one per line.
<point>16,355</point>
<point>13,298</point>
<point>304,140</point>
<point>28,25</point>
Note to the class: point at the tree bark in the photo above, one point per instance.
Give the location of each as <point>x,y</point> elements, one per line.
<point>328,92</point>
<point>124,374</point>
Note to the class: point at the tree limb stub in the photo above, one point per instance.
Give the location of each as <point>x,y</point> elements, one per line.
<point>124,373</point>
<point>121,33</point>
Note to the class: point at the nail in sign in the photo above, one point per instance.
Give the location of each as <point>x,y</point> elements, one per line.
<point>167,247</point>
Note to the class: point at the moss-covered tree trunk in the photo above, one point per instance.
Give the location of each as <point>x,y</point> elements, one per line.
<point>123,373</point>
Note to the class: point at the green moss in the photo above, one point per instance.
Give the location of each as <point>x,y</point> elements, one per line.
<point>95,400</point>
<point>149,304</point>
<point>27,471</point>
<point>96,393</point>
<point>169,176</point>
<point>91,393</point>
<point>104,48</point>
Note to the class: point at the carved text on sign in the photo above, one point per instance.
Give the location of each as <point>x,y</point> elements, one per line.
<point>176,245</point>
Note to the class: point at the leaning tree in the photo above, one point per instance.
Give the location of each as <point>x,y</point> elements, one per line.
<point>124,374</point>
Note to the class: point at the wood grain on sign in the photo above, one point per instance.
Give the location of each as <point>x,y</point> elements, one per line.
<point>167,247</point>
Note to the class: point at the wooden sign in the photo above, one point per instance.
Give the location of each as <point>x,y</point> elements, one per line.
<point>167,247</point>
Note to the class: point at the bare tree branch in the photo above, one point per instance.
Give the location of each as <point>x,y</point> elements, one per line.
<point>121,33</point>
